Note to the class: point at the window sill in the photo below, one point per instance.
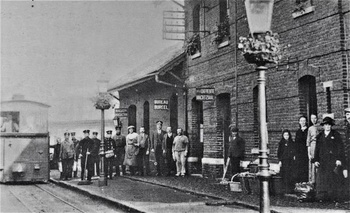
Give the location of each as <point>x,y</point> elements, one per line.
<point>196,55</point>
<point>303,12</point>
<point>223,44</point>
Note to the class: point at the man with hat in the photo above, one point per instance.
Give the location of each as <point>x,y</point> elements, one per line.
<point>95,153</point>
<point>156,146</point>
<point>75,143</point>
<point>85,147</point>
<point>236,150</point>
<point>109,151</point>
<point>329,158</point>
<point>67,156</point>
<point>119,151</point>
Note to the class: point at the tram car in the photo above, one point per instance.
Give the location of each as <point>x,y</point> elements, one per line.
<point>24,146</point>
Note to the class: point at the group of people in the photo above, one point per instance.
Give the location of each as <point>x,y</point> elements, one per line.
<point>318,156</point>
<point>136,153</point>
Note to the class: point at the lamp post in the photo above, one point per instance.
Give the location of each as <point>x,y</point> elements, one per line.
<point>102,103</point>
<point>260,48</point>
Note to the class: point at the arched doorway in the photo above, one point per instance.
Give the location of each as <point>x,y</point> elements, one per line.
<point>223,121</point>
<point>174,112</point>
<point>132,116</point>
<point>307,95</point>
<point>146,116</point>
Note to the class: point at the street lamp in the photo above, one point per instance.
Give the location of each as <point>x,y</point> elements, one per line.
<point>259,48</point>
<point>102,103</point>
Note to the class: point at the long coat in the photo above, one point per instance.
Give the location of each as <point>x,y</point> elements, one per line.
<point>131,150</point>
<point>237,147</point>
<point>329,149</point>
<point>286,154</point>
<point>120,143</point>
<point>301,158</point>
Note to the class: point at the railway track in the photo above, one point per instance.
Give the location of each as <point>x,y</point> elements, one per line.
<point>48,198</point>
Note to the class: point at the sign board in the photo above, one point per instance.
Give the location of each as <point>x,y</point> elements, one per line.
<point>205,94</point>
<point>121,112</point>
<point>161,104</point>
<point>174,25</point>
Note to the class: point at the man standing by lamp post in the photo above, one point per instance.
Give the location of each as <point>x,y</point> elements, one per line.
<point>260,48</point>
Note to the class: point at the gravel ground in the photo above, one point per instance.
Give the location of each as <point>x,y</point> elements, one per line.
<point>213,188</point>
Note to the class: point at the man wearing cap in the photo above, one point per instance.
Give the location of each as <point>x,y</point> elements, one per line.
<point>95,153</point>
<point>142,158</point>
<point>75,143</point>
<point>131,150</point>
<point>85,146</point>
<point>236,150</point>
<point>329,157</point>
<point>67,156</point>
<point>120,142</point>
<point>156,146</point>
<point>109,150</point>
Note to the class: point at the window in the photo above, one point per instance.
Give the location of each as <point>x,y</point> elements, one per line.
<point>223,10</point>
<point>196,18</point>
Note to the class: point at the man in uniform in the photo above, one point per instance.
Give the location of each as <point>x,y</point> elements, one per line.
<point>75,143</point>
<point>95,153</point>
<point>85,147</point>
<point>67,156</point>
<point>156,146</point>
<point>110,146</point>
<point>119,151</point>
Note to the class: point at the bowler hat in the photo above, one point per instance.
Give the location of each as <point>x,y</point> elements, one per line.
<point>95,133</point>
<point>86,131</point>
<point>161,122</point>
<point>109,131</point>
<point>327,120</point>
<point>346,110</point>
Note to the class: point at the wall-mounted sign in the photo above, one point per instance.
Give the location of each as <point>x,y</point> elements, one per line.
<point>121,112</point>
<point>205,94</point>
<point>161,104</point>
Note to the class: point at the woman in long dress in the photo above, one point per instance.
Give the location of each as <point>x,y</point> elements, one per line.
<point>131,150</point>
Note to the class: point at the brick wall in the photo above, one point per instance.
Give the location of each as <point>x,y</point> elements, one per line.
<point>318,48</point>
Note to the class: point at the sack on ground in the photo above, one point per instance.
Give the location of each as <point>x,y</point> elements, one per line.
<point>305,191</point>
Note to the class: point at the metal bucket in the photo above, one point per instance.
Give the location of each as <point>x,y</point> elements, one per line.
<point>235,186</point>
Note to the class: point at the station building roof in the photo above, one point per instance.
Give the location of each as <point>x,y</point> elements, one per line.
<point>157,65</point>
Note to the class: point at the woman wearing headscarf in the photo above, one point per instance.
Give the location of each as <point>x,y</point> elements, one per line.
<point>286,157</point>
<point>329,158</point>
<point>301,152</point>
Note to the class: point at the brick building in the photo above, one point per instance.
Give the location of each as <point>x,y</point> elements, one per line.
<point>154,91</point>
<point>313,76</point>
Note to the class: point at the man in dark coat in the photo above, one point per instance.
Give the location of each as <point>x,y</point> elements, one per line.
<point>85,146</point>
<point>142,157</point>
<point>329,157</point>
<point>110,146</point>
<point>120,143</point>
<point>168,148</point>
<point>95,153</point>
<point>75,143</point>
<point>236,150</point>
<point>347,154</point>
<point>156,146</point>
<point>301,163</point>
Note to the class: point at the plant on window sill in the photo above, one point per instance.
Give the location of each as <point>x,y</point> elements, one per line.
<point>223,31</point>
<point>193,44</point>
<point>261,49</point>
<point>300,6</point>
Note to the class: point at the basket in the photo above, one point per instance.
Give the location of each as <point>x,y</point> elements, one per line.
<point>235,186</point>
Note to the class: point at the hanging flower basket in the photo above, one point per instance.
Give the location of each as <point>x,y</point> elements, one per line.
<point>101,101</point>
<point>261,49</point>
